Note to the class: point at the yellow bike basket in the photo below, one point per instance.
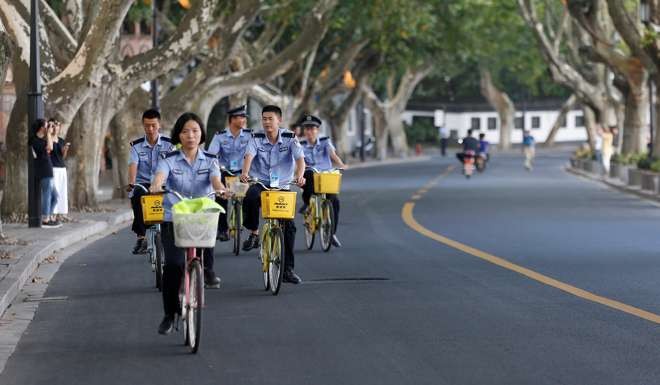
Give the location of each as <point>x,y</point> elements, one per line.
<point>278,204</point>
<point>152,209</point>
<point>327,182</point>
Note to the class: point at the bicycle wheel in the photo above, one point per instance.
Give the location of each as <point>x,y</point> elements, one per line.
<point>276,266</point>
<point>194,319</point>
<point>310,224</point>
<point>326,227</point>
<point>236,224</point>
<point>160,260</point>
<point>264,255</point>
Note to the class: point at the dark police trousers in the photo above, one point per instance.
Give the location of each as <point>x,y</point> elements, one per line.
<point>251,209</point>
<point>308,189</point>
<point>175,261</point>
<point>138,224</point>
<point>222,221</point>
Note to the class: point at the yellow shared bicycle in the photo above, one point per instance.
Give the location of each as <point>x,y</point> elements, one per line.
<point>276,205</point>
<point>319,216</point>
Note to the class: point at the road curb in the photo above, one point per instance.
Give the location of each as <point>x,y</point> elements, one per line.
<point>619,187</point>
<point>32,256</point>
<point>389,162</point>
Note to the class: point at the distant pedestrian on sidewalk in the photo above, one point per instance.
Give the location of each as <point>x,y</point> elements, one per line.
<point>60,179</point>
<point>529,149</point>
<point>444,139</point>
<point>42,145</point>
<point>607,148</point>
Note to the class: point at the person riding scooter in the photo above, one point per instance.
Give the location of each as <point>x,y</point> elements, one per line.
<point>470,146</point>
<point>482,156</point>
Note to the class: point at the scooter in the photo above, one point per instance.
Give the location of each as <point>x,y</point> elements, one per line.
<point>468,163</point>
<point>480,161</point>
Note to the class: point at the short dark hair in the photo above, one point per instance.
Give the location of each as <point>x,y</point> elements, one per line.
<point>37,125</point>
<point>482,135</point>
<point>181,121</point>
<point>272,108</point>
<point>151,113</point>
<point>470,132</point>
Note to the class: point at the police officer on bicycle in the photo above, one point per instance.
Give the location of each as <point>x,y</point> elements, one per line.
<point>319,154</point>
<point>229,145</point>
<point>144,154</point>
<point>193,173</point>
<point>275,158</point>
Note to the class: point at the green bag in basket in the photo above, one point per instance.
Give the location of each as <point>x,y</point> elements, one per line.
<point>197,205</point>
<point>195,222</point>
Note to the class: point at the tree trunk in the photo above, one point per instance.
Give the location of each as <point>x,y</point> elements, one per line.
<point>5,56</point>
<point>15,197</point>
<point>380,127</point>
<point>563,111</point>
<point>396,131</point>
<point>633,136</point>
<point>654,123</point>
<point>590,123</point>
<point>86,137</point>
<point>501,102</point>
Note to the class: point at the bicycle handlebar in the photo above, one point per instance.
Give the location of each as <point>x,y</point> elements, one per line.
<point>180,196</point>
<point>253,181</point>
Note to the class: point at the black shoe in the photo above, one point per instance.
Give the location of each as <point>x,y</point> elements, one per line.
<point>223,236</point>
<point>138,246</point>
<point>335,241</point>
<point>303,208</point>
<point>211,281</point>
<point>143,248</point>
<point>251,243</point>
<point>167,325</point>
<point>291,277</point>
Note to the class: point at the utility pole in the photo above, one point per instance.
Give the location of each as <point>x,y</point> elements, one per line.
<point>155,103</point>
<point>35,111</point>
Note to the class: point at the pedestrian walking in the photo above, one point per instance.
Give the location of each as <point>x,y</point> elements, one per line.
<point>529,149</point>
<point>607,148</point>
<point>60,179</point>
<point>42,145</point>
<point>444,139</point>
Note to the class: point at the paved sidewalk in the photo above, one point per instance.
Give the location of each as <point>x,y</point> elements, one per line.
<point>615,183</point>
<point>25,248</point>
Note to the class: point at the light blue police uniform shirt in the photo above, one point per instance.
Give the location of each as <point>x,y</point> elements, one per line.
<point>318,155</point>
<point>279,159</point>
<point>229,149</point>
<point>146,157</point>
<point>190,180</point>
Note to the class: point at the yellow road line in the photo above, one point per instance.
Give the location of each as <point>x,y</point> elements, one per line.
<point>409,219</point>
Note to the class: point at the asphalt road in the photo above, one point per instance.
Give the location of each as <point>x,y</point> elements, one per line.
<point>392,306</point>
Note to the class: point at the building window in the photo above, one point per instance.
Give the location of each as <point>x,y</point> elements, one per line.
<point>579,121</point>
<point>536,122</point>
<point>492,124</point>
<point>518,122</point>
<point>562,124</point>
<point>475,124</point>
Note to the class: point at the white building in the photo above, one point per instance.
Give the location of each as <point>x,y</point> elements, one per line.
<point>538,118</point>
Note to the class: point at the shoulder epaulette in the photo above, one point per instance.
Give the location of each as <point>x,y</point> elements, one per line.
<point>136,141</point>
<point>259,135</point>
<point>303,142</point>
<point>165,138</point>
<point>171,154</point>
<point>248,130</point>
<point>323,139</point>
<point>210,155</point>
<point>221,132</point>
<point>288,135</point>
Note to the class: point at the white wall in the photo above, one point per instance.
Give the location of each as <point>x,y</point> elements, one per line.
<point>460,122</point>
